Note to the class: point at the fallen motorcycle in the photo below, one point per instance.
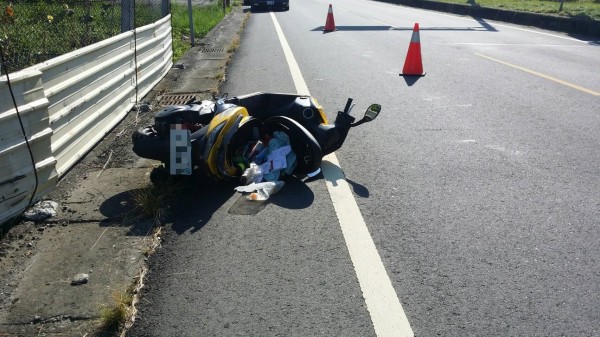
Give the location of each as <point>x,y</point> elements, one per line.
<point>224,137</point>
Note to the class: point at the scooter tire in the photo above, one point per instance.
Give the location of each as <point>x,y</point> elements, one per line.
<point>159,176</point>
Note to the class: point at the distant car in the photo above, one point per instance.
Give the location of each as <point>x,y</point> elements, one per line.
<point>282,4</point>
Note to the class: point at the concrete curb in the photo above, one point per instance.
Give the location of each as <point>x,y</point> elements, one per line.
<point>550,22</point>
<point>198,72</point>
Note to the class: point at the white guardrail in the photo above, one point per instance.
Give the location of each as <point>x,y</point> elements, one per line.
<point>68,104</point>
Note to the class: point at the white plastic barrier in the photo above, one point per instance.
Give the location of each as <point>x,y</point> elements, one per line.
<point>154,55</point>
<point>68,104</point>
<point>17,175</point>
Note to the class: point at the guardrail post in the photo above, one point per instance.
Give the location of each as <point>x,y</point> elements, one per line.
<point>127,15</point>
<point>165,8</point>
<point>192,38</point>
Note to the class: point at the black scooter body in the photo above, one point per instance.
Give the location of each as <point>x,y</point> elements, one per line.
<point>299,115</point>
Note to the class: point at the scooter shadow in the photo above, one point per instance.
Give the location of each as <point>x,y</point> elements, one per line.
<point>295,194</point>
<point>120,210</point>
<point>188,206</point>
<point>196,202</point>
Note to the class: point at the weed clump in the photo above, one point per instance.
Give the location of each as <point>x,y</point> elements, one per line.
<point>114,315</point>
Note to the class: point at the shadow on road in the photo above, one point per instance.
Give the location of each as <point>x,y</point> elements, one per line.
<point>487,27</point>
<point>196,206</point>
<point>358,189</point>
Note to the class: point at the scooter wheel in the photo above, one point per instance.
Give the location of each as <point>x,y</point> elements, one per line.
<point>159,175</point>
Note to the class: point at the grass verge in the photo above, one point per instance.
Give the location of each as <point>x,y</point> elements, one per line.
<point>153,202</point>
<point>584,9</point>
<point>205,18</point>
<point>150,202</point>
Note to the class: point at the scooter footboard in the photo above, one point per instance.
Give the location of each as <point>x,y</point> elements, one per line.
<point>302,108</point>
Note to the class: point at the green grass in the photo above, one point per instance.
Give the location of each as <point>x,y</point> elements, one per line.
<point>585,9</point>
<point>205,18</point>
<point>33,31</point>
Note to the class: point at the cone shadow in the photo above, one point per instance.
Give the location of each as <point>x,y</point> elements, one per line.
<point>411,79</point>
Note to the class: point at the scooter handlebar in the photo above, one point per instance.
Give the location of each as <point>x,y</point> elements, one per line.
<point>348,104</point>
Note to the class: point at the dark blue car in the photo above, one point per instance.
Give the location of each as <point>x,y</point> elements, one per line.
<point>281,4</point>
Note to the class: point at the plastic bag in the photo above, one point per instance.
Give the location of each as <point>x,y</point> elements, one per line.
<point>253,174</point>
<point>261,191</point>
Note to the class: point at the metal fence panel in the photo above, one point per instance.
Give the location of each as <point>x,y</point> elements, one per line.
<point>89,90</point>
<point>17,176</point>
<point>68,104</point>
<point>154,54</point>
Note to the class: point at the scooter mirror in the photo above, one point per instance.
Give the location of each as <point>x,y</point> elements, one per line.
<point>372,112</point>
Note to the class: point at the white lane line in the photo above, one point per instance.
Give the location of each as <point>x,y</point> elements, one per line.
<point>387,314</point>
<point>383,23</point>
<point>301,87</point>
<point>550,78</point>
<point>510,44</point>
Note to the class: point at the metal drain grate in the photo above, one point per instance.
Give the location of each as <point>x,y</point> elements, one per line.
<point>212,50</point>
<point>175,99</point>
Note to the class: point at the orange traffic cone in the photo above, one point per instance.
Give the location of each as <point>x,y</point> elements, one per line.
<point>413,65</point>
<point>329,23</point>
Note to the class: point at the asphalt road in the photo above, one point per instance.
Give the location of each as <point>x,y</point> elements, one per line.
<point>479,185</point>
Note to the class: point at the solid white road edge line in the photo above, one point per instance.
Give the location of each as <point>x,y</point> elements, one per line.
<point>387,314</point>
<point>301,87</point>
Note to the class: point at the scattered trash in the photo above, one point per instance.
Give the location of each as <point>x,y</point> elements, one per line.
<point>142,107</point>
<point>268,158</point>
<point>261,191</point>
<point>280,158</point>
<point>41,211</point>
<point>253,174</point>
<point>80,279</point>
<point>145,107</point>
